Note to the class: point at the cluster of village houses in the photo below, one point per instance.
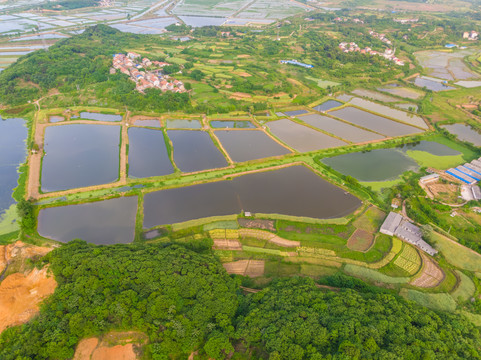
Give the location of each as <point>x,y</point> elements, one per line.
<point>145,73</point>
<point>388,53</point>
<point>356,20</point>
<point>470,35</point>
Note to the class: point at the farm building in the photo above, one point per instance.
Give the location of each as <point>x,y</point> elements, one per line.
<point>429,178</point>
<point>476,192</point>
<point>396,225</point>
<point>461,176</point>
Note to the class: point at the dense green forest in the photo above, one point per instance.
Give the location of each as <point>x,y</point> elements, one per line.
<point>182,298</point>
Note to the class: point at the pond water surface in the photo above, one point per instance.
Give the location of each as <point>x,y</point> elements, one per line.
<point>375,165</point>
<point>183,124</point>
<point>341,129</point>
<point>103,222</point>
<point>78,155</point>
<point>100,117</point>
<point>302,138</point>
<point>328,105</point>
<point>270,192</point>
<point>377,123</point>
<point>249,145</point>
<point>431,84</point>
<point>148,122</point>
<point>195,151</point>
<point>465,133</point>
<point>232,124</point>
<point>13,134</point>
<point>148,154</point>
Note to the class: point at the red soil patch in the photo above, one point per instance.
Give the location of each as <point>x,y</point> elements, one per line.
<point>240,96</point>
<point>113,346</point>
<point>19,251</point>
<point>20,295</point>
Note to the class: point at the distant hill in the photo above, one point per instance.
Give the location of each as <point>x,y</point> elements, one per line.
<point>80,62</point>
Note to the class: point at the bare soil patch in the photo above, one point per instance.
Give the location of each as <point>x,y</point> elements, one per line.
<point>243,74</point>
<point>431,274</point>
<point>258,224</point>
<point>227,244</point>
<point>251,268</point>
<point>112,346</point>
<point>20,295</point>
<point>243,56</point>
<point>265,235</point>
<point>15,254</point>
<point>360,240</point>
<point>240,96</point>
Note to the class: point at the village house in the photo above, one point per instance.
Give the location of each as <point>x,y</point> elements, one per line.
<point>145,73</point>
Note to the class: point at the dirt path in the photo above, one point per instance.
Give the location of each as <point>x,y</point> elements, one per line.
<point>123,149</point>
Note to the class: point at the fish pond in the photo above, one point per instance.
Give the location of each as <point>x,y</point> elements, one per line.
<point>375,165</point>
<point>392,113</point>
<point>195,151</point>
<point>56,119</point>
<point>13,134</point>
<point>103,222</point>
<point>400,91</point>
<point>340,128</point>
<point>232,124</point>
<point>148,123</point>
<point>328,105</point>
<point>183,124</point>
<point>78,155</point>
<point>465,133</point>
<point>302,138</point>
<point>385,164</point>
<point>100,117</point>
<point>430,84</point>
<point>249,145</point>
<point>270,192</point>
<point>373,122</point>
<point>148,154</point>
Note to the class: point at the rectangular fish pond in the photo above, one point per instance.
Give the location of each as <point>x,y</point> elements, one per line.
<point>249,145</point>
<point>148,154</point>
<point>104,222</point>
<point>100,117</point>
<point>269,192</point>
<point>79,155</point>
<point>195,151</point>
<point>302,138</point>
<point>373,122</point>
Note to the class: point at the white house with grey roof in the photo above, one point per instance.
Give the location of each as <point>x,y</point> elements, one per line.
<point>396,225</point>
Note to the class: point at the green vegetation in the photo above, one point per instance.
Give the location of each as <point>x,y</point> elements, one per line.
<point>442,302</point>
<point>371,275</point>
<point>465,289</point>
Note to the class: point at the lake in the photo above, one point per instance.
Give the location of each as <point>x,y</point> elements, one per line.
<point>295,191</point>
<point>103,222</point>
<point>249,145</point>
<point>195,151</point>
<point>465,133</point>
<point>100,117</point>
<point>302,138</point>
<point>79,155</point>
<point>13,134</point>
<point>148,154</point>
<point>373,122</point>
<point>340,128</point>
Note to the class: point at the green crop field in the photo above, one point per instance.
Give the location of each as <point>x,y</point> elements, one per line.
<point>373,275</point>
<point>443,302</point>
<point>459,256</point>
<point>426,159</point>
<point>465,289</point>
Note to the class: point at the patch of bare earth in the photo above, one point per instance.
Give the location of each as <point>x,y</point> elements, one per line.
<point>227,244</point>
<point>240,96</point>
<point>20,295</point>
<point>360,240</point>
<point>257,224</point>
<point>431,274</point>
<point>265,235</point>
<point>251,268</point>
<point>112,346</point>
<point>14,255</point>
